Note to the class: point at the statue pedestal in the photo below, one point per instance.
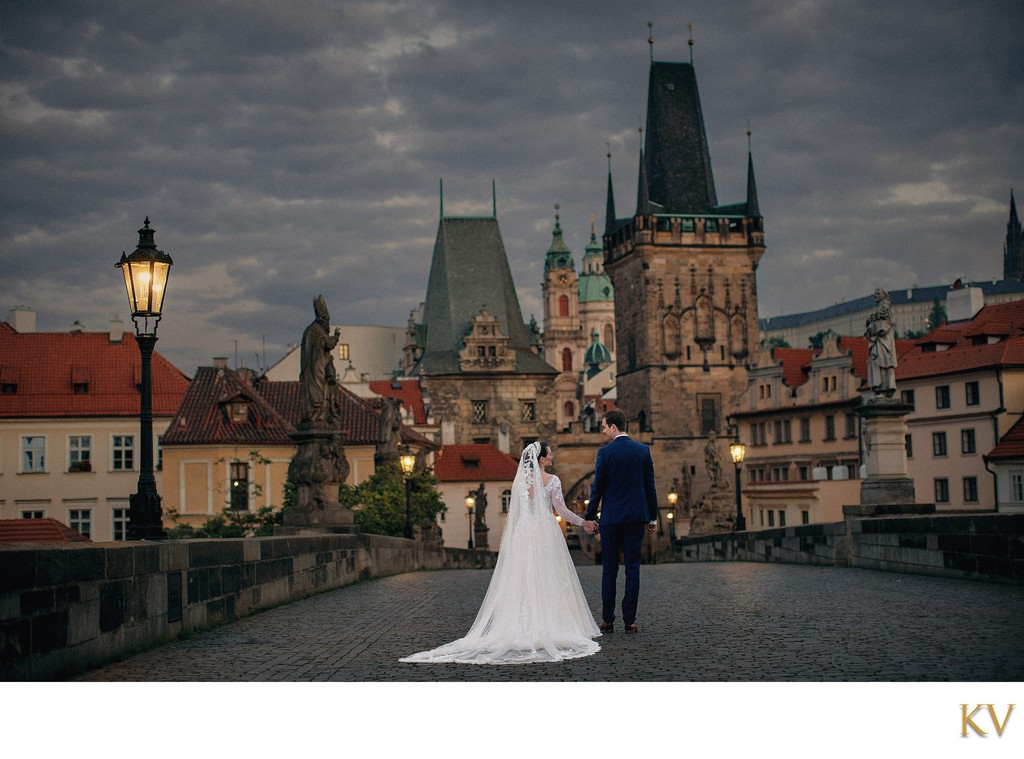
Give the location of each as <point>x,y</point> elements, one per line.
<point>317,471</point>
<point>716,512</point>
<point>480,538</point>
<point>884,430</point>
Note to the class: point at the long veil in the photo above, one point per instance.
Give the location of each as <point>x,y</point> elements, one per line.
<point>534,609</point>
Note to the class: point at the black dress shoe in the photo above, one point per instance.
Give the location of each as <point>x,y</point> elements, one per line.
<point>606,627</point>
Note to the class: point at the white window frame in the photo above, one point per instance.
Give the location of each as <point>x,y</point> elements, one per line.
<point>115,449</point>
<point>80,520</point>
<point>1017,485</point>
<point>23,459</point>
<point>119,520</point>
<point>72,449</point>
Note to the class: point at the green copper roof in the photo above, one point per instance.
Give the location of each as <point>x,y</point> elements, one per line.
<point>597,353</point>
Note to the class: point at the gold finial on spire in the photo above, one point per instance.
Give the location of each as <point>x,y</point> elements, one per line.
<point>690,42</point>
<point>749,148</point>
<point>592,220</point>
<point>650,38</point>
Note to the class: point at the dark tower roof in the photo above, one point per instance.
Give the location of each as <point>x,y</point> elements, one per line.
<point>1013,248</point>
<point>677,160</point>
<point>609,208</point>
<point>470,270</point>
<point>753,210</point>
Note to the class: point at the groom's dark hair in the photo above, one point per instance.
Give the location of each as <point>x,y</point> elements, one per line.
<point>615,418</point>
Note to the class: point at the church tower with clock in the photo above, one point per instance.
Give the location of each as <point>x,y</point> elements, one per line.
<point>562,329</point>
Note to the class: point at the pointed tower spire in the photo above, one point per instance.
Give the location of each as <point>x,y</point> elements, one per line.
<point>494,199</point>
<point>643,193</point>
<point>1013,248</point>
<point>559,256</point>
<point>650,38</point>
<point>609,208</point>
<point>440,193</point>
<point>753,209</point>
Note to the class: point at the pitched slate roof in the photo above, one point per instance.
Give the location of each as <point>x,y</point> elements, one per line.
<point>46,366</point>
<point>38,531</point>
<point>678,163</point>
<point>896,297</point>
<point>474,463</point>
<point>470,270</point>
<point>1011,446</point>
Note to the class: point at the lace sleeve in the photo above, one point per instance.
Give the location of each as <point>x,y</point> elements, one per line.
<point>559,503</point>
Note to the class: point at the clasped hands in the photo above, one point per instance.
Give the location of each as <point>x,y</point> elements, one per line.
<point>589,526</point>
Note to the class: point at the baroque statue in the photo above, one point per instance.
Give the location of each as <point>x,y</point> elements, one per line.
<point>881,347</point>
<point>318,379</point>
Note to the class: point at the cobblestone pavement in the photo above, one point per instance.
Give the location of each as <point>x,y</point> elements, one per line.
<point>698,622</point>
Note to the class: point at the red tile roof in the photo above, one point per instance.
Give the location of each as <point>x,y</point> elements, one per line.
<point>408,391</point>
<point>961,358</point>
<point>38,531</point>
<point>1012,444</point>
<point>795,363</point>
<point>205,413</point>
<point>46,366</point>
<point>474,463</point>
<point>274,413</point>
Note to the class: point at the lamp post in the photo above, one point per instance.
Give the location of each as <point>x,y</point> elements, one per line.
<point>408,462</point>
<point>737,450</point>
<point>470,503</point>
<point>145,278</point>
<point>673,497</point>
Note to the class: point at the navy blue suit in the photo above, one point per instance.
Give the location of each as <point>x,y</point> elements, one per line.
<point>623,491</point>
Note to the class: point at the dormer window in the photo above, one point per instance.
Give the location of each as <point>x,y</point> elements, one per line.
<point>80,388</point>
<point>9,388</point>
<point>471,463</point>
<point>239,411</point>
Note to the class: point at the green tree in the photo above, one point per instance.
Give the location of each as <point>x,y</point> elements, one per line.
<point>379,501</point>
<point>937,315</point>
<point>817,340</point>
<point>778,342</point>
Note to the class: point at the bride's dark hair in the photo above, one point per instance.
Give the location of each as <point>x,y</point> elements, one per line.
<point>545,449</point>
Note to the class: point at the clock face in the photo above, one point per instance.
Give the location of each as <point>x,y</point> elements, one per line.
<point>563,278</point>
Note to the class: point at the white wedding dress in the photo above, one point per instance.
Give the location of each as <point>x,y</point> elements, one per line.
<point>534,609</point>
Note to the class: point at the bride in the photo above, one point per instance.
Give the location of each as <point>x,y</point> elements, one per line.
<point>534,609</point>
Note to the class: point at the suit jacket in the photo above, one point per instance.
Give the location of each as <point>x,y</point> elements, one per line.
<point>623,483</point>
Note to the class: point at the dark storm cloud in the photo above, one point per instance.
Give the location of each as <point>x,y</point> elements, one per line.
<point>288,149</point>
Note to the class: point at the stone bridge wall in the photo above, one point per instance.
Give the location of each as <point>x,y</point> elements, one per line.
<point>986,547</point>
<point>69,608</point>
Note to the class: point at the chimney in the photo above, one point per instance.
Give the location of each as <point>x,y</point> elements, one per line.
<point>220,362</point>
<point>76,327</point>
<point>23,319</point>
<point>116,330</point>
<point>964,303</point>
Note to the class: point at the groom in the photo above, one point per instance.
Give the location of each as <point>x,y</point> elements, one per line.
<point>624,481</point>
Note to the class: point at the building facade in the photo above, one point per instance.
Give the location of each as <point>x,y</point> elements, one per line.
<point>69,424</point>
<point>479,364</point>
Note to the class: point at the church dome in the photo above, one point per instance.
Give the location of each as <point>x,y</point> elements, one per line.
<point>597,353</point>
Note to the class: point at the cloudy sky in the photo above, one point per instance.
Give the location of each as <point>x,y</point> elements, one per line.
<point>285,149</point>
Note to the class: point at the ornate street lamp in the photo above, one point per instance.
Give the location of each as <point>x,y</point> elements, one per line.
<point>737,450</point>
<point>470,503</point>
<point>145,278</point>
<point>408,462</point>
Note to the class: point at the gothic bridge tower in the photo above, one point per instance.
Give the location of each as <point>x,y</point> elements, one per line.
<point>684,271</point>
